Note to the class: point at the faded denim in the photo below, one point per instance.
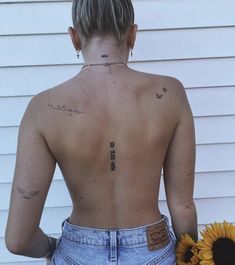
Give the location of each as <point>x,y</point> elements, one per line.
<point>80,245</point>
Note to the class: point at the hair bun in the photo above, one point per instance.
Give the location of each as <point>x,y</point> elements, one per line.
<point>102,17</point>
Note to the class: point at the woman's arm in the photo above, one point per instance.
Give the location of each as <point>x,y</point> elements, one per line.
<point>34,171</point>
<point>179,170</point>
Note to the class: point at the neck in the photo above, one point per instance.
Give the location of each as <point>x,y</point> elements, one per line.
<point>101,50</point>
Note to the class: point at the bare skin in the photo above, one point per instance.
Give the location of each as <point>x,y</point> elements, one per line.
<point>113,110</point>
<point>111,130</point>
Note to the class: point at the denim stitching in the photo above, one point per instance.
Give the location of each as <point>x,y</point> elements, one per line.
<point>163,256</point>
<point>66,258</point>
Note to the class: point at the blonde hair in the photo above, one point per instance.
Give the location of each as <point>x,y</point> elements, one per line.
<point>102,17</point>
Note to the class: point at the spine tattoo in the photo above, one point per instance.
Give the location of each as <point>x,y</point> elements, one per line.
<point>112,156</point>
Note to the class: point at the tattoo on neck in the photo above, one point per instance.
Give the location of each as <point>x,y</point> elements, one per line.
<point>27,195</point>
<point>104,56</point>
<point>64,108</point>
<point>158,95</point>
<point>112,156</point>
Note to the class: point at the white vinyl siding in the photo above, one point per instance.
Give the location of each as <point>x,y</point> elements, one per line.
<point>192,40</point>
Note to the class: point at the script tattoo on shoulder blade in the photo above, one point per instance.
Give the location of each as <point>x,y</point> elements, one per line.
<point>64,108</point>
<point>27,195</point>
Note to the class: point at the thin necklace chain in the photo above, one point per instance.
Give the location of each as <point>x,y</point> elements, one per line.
<point>103,64</point>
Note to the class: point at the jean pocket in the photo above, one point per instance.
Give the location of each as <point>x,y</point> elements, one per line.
<point>60,257</point>
<point>167,256</point>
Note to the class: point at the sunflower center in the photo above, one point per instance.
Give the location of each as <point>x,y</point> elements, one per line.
<point>224,251</point>
<point>188,255</point>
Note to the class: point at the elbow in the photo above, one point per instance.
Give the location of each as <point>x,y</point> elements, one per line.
<point>182,205</point>
<point>15,246</point>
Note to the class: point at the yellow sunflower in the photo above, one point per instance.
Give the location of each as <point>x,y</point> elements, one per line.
<point>186,251</point>
<point>217,246</point>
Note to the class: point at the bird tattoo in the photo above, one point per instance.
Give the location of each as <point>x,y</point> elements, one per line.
<point>27,195</point>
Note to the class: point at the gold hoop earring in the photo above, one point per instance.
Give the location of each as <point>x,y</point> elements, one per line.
<point>78,53</point>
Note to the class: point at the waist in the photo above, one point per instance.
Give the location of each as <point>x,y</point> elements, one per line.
<point>125,236</point>
<point>120,218</point>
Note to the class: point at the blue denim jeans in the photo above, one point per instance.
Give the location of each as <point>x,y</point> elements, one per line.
<point>79,245</point>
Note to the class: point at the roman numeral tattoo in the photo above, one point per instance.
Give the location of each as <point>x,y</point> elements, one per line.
<point>112,156</point>
<point>27,195</point>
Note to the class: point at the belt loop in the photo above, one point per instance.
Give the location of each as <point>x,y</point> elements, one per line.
<point>113,245</point>
<point>62,225</point>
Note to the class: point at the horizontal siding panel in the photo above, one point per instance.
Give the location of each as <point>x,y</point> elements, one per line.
<point>215,158</point>
<point>222,97</point>
<point>161,14</point>
<point>42,17</point>
<point>12,110</point>
<point>192,73</point>
<point>35,18</point>
<point>209,130</point>
<point>158,45</point>
<point>203,185</point>
<point>7,163</point>
<point>202,190</point>
<point>8,140</point>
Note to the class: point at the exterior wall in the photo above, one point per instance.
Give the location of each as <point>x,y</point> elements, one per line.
<point>190,40</point>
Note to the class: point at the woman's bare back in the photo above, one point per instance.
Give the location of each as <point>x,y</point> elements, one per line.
<point>109,132</point>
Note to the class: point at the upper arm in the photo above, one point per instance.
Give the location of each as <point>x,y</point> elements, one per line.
<point>179,164</point>
<point>33,174</point>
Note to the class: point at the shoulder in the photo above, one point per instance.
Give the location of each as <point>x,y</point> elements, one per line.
<point>173,90</point>
<point>170,81</point>
<point>36,109</point>
<point>38,102</point>
<point>172,84</point>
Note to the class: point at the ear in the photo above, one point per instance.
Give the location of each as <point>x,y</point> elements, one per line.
<point>75,38</point>
<point>132,36</point>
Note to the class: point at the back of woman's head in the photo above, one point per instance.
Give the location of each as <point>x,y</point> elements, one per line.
<point>102,17</point>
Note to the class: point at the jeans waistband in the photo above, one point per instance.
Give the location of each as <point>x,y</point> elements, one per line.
<point>101,237</point>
